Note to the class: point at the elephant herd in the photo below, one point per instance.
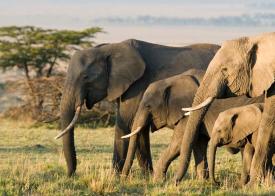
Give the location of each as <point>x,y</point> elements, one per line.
<point>210,95</point>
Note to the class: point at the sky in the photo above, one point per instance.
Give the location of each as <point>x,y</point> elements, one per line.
<point>170,22</point>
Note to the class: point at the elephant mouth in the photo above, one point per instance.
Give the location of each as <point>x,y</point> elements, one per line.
<point>89,104</point>
<point>89,100</point>
<point>223,143</point>
<point>158,123</point>
<point>153,127</point>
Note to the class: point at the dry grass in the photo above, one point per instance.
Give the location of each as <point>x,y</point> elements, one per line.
<point>31,163</point>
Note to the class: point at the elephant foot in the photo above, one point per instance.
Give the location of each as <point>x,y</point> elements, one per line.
<point>249,185</point>
<point>252,183</point>
<point>243,181</point>
<point>176,181</point>
<point>159,176</point>
<point>125,172</point>
<point>202,175</point>
<point>117,168</point>
<point>147,172</point>
<point>215,182</point>
<point>123,177</point>
<point>71,174</point>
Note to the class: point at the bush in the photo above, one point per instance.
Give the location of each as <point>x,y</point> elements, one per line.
<point>42,98</point>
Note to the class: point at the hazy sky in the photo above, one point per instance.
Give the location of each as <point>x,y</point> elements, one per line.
<point>54,12</point>
<point>99,8</point>
<point>173,22</point>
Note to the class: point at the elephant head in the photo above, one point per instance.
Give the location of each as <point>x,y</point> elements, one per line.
<point>161,102</point>
<point>242,66</point>
<point>105,71</point>
<point>160,106</point>
<point>231,128</point>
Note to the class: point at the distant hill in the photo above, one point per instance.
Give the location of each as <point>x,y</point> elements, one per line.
<point>258,19</point>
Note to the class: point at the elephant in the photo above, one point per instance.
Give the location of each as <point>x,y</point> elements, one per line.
<point>121,71</point>
<point>238,128</point>
<point>160,107</point>
<point>244,66</point>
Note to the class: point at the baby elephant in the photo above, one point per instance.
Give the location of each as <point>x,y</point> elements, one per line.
<point>237,128</point>
<point>161,107</point>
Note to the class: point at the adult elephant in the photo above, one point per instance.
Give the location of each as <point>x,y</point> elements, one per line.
<point>241,66</point>
<point>122,72</point>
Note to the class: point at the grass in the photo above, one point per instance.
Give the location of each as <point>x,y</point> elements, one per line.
<point>31,163</point>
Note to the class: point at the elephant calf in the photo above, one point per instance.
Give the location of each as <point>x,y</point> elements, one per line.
<point>161,107</point>
<point>238,128</point>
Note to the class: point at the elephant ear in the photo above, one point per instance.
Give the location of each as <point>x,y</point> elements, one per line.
<point>181,94</point>
<point>125,66</point>
<point>245,122</point>
<point>262,69</point>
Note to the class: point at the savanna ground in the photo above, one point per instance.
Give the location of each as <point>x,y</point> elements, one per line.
<point>31,163</point>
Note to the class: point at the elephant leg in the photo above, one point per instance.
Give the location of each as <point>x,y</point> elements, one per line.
<point>124,117</point>
<point>143,152</point>
<point>120,145</point>
<point>266,128</point>
<point>270,169</point>
<point>170,153</point>
<point>247,156</point>
<point>200,156</point>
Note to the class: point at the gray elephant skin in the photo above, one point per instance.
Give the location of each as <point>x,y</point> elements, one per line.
<point>244,66</point>
<point>238,128</point>
<point>161,107</point>
<point>121,71</point>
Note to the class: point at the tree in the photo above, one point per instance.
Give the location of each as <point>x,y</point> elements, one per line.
<point>38,50</point>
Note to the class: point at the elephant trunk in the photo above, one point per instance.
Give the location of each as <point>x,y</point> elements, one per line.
<point>68,114</point>
<point>204,97</point>
<point>212,158</point>
<point>140,122</point>
<point>72,123</point>
<point>130,155</point>
<point>188,140</point>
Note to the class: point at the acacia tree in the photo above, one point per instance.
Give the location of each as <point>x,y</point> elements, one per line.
<point>39,50</point>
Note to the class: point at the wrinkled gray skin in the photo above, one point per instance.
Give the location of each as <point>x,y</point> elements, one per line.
<point>238,128</point>
<point>161,107</point>
<point>122,71</point>
<point>242,66</point>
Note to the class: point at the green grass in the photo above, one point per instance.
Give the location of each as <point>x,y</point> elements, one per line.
<point>31,163</point>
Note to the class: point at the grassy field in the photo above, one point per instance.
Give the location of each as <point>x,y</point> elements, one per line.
<point>31,163</point>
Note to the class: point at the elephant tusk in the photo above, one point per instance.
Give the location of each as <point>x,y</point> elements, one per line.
<point>131,134</point>
<point>203,104</point>
<point>187,113</point>
<point>76,115</point>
